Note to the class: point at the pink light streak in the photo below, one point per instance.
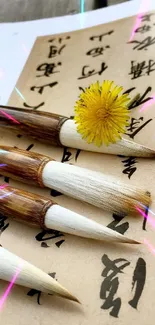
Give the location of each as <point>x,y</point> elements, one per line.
<point>148,103</point>
<point>150,246</point>
<point>1,74</point>
<point>5,195</point>
<point>9,117</point>
<point>6,293</point>
<point>3,186</point>
<point>149,219</point>
<point>25,48</point>
<point>143,8</point>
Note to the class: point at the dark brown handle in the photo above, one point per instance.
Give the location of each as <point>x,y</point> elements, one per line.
<point>42,126</point>
<point>22,165</point>
<point>24,206</point>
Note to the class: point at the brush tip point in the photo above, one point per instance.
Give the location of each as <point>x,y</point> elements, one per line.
<point>73,298</point>
<point>134,242</point>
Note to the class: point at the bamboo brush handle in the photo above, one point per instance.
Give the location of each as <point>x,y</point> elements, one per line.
<point>42,126</point>
<point>22,165</point>
<point>23,206</point>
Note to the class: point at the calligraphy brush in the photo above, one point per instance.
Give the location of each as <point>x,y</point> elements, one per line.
<point>61,131</point>
<point>95,188</point>
<point>29,275</point>
<point>36,210</point>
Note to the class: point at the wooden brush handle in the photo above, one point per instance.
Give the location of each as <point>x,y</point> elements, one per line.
<point>22,165</point>
<point>24,206</point>
<point>42,126</point>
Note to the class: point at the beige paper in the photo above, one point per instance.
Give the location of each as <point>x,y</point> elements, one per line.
<point>127,296</point>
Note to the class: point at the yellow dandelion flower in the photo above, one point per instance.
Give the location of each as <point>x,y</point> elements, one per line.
<point>101,113</point>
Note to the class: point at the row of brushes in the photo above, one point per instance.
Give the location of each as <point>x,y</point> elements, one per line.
<point>89,186</point>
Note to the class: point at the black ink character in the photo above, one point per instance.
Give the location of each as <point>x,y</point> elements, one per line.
<point>129,164</point>
<point>140,100</point>
<point>82,89</point>
<point>77,154</point>
<point>138,281</point>
<point>143,29</point>
<point>110,284</point>
<point>48,68</point>
<point>145,218</point>
<point>148,41</point>
<point>97,51</point>
<point>30,147</point>
<point>99,37</point>
<point>54,51</point>
<point>3,224</point>
<point>6,179</point>
<point>121,228</point>
<point>45,235</point>
<point>34,292</point>
<point>34,107</point>
<point>146,17</point>
<point>133,128</point>
<point>142,68</point>
<point>59,39</point>
<point>87,72</point>
<point>41,88</point>
<point>67,155</point>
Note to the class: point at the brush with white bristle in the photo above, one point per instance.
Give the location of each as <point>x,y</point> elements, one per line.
<point>103,191</point>
<point>36,210</point>
<point>28,275</point>
<point>61,131</point>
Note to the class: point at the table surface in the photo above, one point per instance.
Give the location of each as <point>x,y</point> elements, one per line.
<point>18,38</point>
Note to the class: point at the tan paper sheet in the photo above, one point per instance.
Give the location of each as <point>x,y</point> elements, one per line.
<point>115,283</point>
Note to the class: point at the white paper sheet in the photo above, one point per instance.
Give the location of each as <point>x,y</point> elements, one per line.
<point>17,39</point>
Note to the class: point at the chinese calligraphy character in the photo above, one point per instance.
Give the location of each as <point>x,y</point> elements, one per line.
<point>138,280</point>
<point>97,51</point>
<point>146,17</point>
<point>67,155</point>
<point>148,41</point>
<point>6,179</point>
<point>30,147</point>
<point>141,100</point>
<point>41,237</point>
<point>99,37</point>
<point>54,51</point>
<point>48,68</point>
<point>59,39</point>
<point>34,107</point>
<point>129,163</point>
<point>41,88</point>
<point>122,228</point>
<point>133,127</point>
<point>143,29</point>
<point>82,89</point>
<point>110,283</point>
<point>33,292</point>
<point>87,72</point>
<point>145,218</point>
<point>142,68</point>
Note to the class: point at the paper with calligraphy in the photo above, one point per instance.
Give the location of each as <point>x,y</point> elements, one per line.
<point>115,283</point>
